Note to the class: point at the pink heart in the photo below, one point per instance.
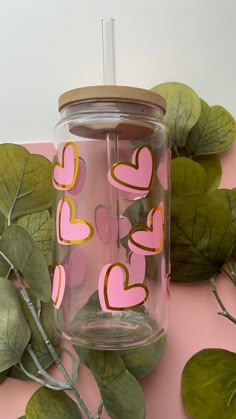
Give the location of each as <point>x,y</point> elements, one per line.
<point>135,176</point>
<point>69,229</point>
<point>137,268</point>
<point>163,170</point>
<point>75,266</point>
<point>65,172</point>
<point>79,183</point>
<point>148,239</point>
<point>58,286</point>
<point>115,293</point>
<point>109,231</point>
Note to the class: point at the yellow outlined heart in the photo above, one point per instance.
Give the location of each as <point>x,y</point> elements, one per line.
<point>115,293</point>
<point>135,176</point>
<point>65,173</point>
<point>71,230</point>
<point>148,239</point>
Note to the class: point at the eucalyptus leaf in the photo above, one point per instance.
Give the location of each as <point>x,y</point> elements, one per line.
<point>121,393</point>
<point>4,267</point>
<point>138,361</point>
<point>36,341</point>
<point>39,226</point>
<point>25,181</point>
<point>27,257</point>
<point>202,237</point>
<point>211,164</point>
<point>14,330</point>
<point>83,353</point>
<point>214,132</point>
<point>3,375</point>
<point>142,360</point>
<point>183,108</point>
<point>226,197</point>
<point>51,404</point>
<point>187,177</point>
<point>208,381</point>
<point>2,222</point>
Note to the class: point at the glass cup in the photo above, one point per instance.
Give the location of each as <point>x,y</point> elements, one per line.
<point>111,207</point>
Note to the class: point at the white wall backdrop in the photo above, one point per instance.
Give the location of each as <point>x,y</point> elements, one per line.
<point>49,46</point>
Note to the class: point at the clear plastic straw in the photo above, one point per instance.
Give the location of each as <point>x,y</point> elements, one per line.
<point>109,78</point>
<point>108,46</point>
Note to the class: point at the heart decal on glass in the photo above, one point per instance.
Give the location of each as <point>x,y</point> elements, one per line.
<point>58,286</point>
<point>109,231</point>
<point>65,172</point>
<point>148,239</point>
<point>137,268</point>
<point>116,293</point>
<point>79,182</point>
<point>69,229</point>
<point>135,176</point>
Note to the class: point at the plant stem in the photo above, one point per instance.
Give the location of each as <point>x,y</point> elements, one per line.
<point>39,380</point>
<point>225,312</point>
<point>39,307</point>
<point>44,373</point>
<point>50,347</point>
<point>99,411</point>
<point>229,274</point>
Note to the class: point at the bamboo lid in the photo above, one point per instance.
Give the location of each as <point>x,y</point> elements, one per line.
<point>109,93</point>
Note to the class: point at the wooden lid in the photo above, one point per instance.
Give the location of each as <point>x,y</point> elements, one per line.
<point>109,93</point>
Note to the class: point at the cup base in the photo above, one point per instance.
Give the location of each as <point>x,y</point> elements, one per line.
<point>114,331</point>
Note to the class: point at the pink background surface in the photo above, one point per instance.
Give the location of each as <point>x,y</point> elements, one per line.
<point>193,325</point>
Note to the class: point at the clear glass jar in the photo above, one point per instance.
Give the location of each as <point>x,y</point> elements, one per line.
<point>111,253</point>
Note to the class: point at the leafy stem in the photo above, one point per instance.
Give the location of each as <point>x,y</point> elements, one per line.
<point>99,411</point>
<point>37,379</point>
<point>17,196</point>
<point>42,372</point>
<point>224,311</point>
<point>71,384</point>
<point>229,274</point>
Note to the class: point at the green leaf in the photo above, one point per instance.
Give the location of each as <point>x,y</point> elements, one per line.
<point>25,181</point>
<point>214,132</point>
<point>202,237</point>
<point>2,222</point>
<point>121,393</point>
<point>211,164</point>
<point>226,197</point>
<point>138,361</point>
<point>39,226</point>
<point>207,385</point>
<point>14,330</point>
<point>27,258</point>
<point>183,108</point>
<point>51,404</point>
<point>22,417</point>
<point>4,267</point>
<point>36,340</point>
<point>142,360</point>
<point>187,177</point>
<point>3,375</point>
